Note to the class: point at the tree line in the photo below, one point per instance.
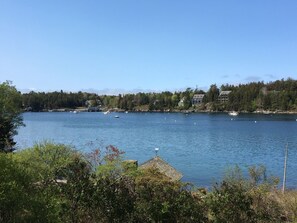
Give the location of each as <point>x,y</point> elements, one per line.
<point>280,95</point>
<point>39,101</point>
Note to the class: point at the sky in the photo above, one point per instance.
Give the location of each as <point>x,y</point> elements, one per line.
<point>145,45</point>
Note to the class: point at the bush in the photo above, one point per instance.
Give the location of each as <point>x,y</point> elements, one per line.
<point>161,200</point>
<point>20,199</point>
<point>230,202</point>
<point>43,160</point>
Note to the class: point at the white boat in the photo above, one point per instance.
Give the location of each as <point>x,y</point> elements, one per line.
<point>233,113</point>
<point>106,113</point>
<point>74,112</point>
<point>126,112</point>
<point>116,116</point>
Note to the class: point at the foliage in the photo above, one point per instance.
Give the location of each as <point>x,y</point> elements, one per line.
<point>212,94</point>
<point>44,160</point>
<point>10,118</point>
<point>76,190</point>
<point>162,200</point>
<point>114,197</point>
<point>21,200</point>
<point>230,202</point>
<point>49,165</point>
<point>288,202</point>
<point>261,189</point>
<point>275,96</point>
<point>246,199</point>
<point>34,101</point>
<point>55,183</point>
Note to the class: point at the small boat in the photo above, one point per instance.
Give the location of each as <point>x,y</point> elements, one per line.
<point>126,112</point>
<point>233,113</point>
<point>186,113</point>
<point>106,113</point>
<point>74,112</point>
<point>116,116</point>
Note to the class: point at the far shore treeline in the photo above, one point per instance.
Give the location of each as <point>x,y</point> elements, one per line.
<point>280,95</point>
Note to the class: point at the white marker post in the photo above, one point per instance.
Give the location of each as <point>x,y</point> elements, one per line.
<point>156,151</point>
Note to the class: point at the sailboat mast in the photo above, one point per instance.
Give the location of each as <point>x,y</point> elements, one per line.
<point>285,169</point>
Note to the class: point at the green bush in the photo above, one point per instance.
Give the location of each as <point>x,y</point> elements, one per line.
<point>20,198</point>
<point>162,200</point>
<point>230,202</point>
<point>44,159</point>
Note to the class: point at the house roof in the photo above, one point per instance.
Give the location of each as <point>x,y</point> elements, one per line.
<point>163,167</point>
<point>225,92</point>
<point>198,96</point>
<point>182,100</point>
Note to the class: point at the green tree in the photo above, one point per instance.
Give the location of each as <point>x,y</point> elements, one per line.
<point>213,93</point>
<point>50,166</point>
<point>21,198</point>
<point>10,115</point>
<point>175,99</point>
<point>62,179</point>
<point>44,159</point>
<point>77,191</point>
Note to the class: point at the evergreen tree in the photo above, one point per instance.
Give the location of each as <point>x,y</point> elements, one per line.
<point>10,115</point>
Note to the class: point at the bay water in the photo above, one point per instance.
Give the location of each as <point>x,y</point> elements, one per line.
<point>201,146</point>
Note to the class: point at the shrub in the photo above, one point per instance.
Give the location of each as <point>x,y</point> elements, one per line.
<point>20,199</point>
<point>162,200</point>
<point>230,202</point>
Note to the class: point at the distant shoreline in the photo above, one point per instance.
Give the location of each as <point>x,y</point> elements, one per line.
<point>264,112</point>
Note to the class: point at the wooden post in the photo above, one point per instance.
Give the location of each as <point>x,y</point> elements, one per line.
<point>285,169</point>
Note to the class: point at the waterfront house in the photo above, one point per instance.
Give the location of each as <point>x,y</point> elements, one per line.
<point>94,109</point>
<point>163,167</point>
<point>224,96</point>
<point>156,102</point>
<point>197,99</point>
<point>181,103</point>
<point>93,103</point>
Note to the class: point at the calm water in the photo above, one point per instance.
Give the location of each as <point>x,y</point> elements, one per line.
<point>201,146</point>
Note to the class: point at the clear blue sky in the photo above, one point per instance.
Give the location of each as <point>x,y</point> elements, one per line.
<point>145,44</point>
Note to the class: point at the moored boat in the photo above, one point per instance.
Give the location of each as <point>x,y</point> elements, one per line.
<point>233,113</point>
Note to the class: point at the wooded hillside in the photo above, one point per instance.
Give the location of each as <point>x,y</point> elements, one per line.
<point>279,95</point>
